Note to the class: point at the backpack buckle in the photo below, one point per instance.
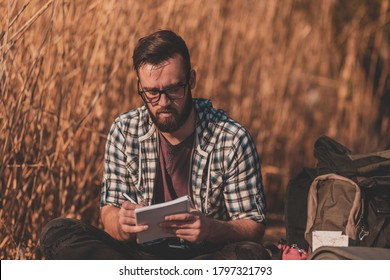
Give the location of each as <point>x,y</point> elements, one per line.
<point>363,233</point>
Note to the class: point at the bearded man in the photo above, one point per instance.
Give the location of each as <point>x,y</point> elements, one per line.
<point>174,145</point>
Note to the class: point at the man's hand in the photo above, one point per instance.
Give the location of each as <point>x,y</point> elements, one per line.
<point>120,222</point>
<point>192,227</point>
<point>195,227</point>
<point>127,221</point>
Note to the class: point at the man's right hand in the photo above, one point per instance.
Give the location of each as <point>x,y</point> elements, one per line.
<point>120,222</point>
<point>127,220</point>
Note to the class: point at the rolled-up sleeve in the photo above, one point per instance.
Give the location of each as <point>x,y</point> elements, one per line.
<point>243,191</point>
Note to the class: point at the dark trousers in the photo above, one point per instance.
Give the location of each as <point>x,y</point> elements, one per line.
<point>72,239</point>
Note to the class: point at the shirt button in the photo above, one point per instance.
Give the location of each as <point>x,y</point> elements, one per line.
<point>141,189</point>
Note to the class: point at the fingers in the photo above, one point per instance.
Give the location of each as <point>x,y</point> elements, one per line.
<point>130,206</point>
<point>133,229</point>
<point>127,219</point>
<point>191,235</point>
<point>127,209</point>
<point>186,217</point>
<point>180,221</point>
<point>182,233</point>
<point>179,224</point>
<point>192,227</point>
<point>184,226</point>
<point>126,212</point>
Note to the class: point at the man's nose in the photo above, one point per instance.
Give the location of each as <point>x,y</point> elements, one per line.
<point>164,99</point>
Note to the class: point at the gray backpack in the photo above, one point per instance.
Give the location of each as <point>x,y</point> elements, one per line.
<point>352,195</point>
<point>334,203</point>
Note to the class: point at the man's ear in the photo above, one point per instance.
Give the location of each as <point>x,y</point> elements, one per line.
<point>192,80</point>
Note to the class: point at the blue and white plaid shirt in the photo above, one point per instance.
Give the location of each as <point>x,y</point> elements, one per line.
<point>225,170</point>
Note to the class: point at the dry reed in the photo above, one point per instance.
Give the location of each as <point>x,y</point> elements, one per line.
<point>290,71</point>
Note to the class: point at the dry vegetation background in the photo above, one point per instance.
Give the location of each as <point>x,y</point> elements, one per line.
<point>288,70</point>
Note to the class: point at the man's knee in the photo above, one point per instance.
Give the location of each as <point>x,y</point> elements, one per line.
<point>55,233</point>
<point>244,250</point>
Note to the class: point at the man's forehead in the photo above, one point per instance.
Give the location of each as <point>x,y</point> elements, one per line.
<point>172,69</point>
<point>151,69</point>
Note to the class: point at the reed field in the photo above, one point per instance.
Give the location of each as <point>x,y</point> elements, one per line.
<point>290,71</point>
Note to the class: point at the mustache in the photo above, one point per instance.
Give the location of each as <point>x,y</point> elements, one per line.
<point>166,110</point>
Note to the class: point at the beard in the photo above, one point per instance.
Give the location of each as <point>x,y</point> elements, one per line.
<point>176,120</point>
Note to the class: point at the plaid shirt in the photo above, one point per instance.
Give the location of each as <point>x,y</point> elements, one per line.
<point>225,170</point>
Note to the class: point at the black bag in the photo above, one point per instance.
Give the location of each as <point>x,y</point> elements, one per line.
<point>370,171</point>
<point>296,207</point>
<point>375,231</point>
<point>332,157</point>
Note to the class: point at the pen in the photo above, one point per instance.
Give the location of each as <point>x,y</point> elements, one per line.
<point>129,198</point>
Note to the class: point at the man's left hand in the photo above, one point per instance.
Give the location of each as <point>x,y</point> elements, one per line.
<point>192,227</point>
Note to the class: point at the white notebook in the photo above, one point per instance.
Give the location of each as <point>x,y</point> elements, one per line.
<point>154,214</point>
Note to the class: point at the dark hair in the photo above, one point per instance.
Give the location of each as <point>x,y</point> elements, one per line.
<point>159,47</point>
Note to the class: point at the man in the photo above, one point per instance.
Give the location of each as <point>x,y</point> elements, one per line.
<point>172,146</point>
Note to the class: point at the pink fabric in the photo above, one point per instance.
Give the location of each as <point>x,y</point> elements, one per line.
<point>292,253</point>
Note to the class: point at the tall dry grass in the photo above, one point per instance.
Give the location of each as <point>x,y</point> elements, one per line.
<point>288,70</point>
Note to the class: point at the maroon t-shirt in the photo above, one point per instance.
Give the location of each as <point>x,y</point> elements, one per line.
<point>174,169</point>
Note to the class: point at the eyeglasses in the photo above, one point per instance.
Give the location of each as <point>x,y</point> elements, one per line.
<point>154,95</point>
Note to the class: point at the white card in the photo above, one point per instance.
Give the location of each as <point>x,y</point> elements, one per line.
<point>329,238</point>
